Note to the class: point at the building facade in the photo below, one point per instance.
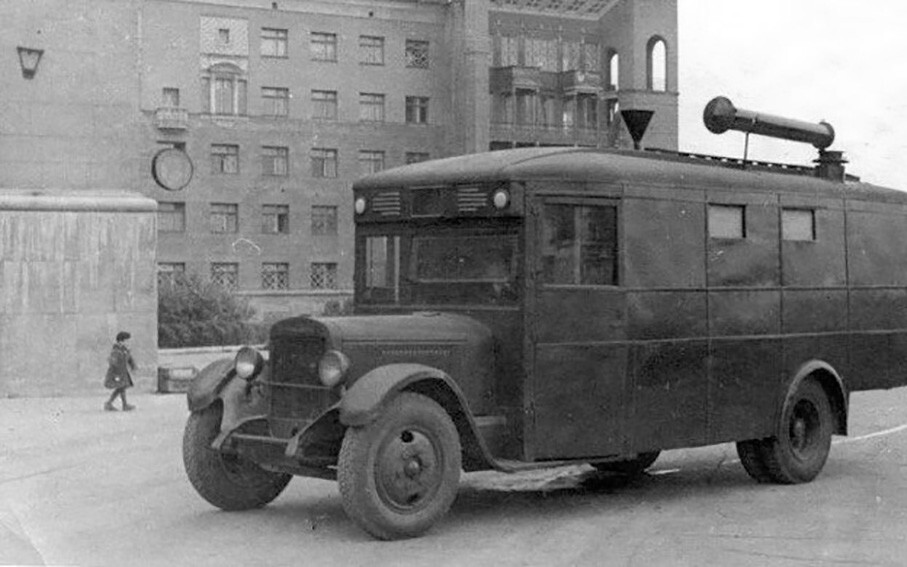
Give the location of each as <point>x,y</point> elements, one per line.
<point>280,105</point>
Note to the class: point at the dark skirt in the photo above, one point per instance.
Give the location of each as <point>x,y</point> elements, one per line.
<point>116,381</point>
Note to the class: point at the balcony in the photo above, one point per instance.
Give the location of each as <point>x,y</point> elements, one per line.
<point>581,82</point>
<point>505,79</point>
<point>171,119</point>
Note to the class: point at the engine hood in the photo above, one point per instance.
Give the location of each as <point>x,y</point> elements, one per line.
<point>421,327</point>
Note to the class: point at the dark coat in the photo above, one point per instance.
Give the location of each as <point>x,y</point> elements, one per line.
<point>120,362</point>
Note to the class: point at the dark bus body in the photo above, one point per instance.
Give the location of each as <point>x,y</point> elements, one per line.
<point>534,307</point>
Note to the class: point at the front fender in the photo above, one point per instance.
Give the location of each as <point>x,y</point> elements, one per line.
<point>208,383</point>
<point>362,403</point>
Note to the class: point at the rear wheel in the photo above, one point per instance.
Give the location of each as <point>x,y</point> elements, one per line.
<point>630,467</point>
<point>226,480</point>
<point>799,450</point>
<point>399,474</point>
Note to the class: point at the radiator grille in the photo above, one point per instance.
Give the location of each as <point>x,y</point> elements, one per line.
<point>295,390</point>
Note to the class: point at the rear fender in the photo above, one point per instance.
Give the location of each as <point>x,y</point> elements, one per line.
<point>833,385</point>
<point>364,401</point>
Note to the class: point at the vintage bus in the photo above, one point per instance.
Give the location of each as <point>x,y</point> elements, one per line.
<point>536,307</point>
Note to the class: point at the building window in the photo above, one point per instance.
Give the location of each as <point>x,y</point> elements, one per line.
<point>579,244</point>
<point>224,217</point>
<point>371,50</point>
<point>171,217</point>
<point>275,219</point>
<point>613,80</point>
<point>275,275</point>
<point>224,90</point>
<point>417,110</point>
<point>224,159</point>
<point>370,161</point>
<point>273,42</point>
<point>324,162</point>
<point>587,112</point>
<point>223,36</point>
<point>371,107</point>
<point>656,64</point>
<point>275,160</point>
<point>225,274</point>
<point>798,224</point>
<point>592,57</point>
<point>324,220</point>
<point>275,101</point>
<point>324,105</point>
<point>169,273</point>
<point>416,157</point>
<point>417,54</point>
<point>324,46</point>
<point>170,98</point>
<point>727,221</point>
<point>324,275</point>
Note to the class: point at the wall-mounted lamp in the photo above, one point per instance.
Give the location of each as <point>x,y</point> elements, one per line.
<point>28,60</point>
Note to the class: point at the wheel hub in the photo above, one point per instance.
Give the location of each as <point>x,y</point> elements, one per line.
<point>408,470</point>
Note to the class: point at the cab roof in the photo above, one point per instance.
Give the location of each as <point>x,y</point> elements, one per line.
<point>616,166</point>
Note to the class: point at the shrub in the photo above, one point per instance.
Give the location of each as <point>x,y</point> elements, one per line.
<point>196,312</point>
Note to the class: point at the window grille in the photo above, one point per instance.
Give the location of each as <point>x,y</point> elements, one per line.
<point>225,274</point>
<point>417,54</point>
<point>275,275</point>
<point>324,275</point>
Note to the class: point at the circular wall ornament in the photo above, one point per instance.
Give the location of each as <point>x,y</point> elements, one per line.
<point>172,169</point>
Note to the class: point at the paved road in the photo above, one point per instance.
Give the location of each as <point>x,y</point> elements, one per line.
<point>84,487</point>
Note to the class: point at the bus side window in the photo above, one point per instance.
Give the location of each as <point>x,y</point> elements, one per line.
<point>579,244</point>
<point>382,269</point>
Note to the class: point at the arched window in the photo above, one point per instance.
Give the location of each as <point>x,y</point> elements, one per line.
<point>657,61</point>
<point>613,82</point>
<point>223,90</point>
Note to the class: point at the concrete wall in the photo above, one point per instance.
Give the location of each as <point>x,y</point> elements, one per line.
<point>74,270</point>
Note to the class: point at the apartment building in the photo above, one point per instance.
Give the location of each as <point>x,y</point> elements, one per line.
<point>280,105</point>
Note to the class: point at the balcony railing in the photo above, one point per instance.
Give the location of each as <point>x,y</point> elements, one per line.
<point>507,78</point>
<point>171,119</point>
<point>581,82</point>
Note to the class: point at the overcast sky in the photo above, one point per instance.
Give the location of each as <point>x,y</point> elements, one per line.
<point>835,60</point>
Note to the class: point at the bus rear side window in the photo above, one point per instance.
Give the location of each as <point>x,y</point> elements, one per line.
<point>579,244</point>
<point>727,221</point>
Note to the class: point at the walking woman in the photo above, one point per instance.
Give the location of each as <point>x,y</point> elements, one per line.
<point>120,363</point>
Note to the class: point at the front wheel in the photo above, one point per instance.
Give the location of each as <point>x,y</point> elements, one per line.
<point>399,474</point>
<point>226,480</point>
<point>799,450</point>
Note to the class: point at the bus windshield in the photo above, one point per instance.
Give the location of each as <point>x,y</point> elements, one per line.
<point>452,269</point>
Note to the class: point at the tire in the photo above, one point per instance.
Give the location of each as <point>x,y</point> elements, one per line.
<point>630,467</point>
<point>799,451</point>
<point>750,453</point>
<point>399,474</point>
<point>227,481</point>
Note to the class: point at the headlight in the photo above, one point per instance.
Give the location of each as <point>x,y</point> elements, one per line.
<point>360,205</point>
<point>332,367</point>
<point>248,363</point>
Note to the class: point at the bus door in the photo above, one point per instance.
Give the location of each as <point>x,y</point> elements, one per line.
<point>575,318</point>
